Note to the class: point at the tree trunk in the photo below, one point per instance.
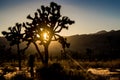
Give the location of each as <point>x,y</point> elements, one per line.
<point>46,55</point>
<point>19,56</point>
<point>41,56</point>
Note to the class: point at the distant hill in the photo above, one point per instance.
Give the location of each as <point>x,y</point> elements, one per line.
<point>102,43</point>
<point>101,32</point>
<point>95,41</point>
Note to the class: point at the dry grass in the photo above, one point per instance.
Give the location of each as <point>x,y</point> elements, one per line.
<point>67,69</point>
<point>93,64</point>
<point>101,64</point>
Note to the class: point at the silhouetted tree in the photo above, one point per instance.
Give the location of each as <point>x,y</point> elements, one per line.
<point>45,26</point>
<point>14,36</point>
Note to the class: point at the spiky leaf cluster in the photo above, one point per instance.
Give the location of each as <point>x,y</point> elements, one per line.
<point>14,35</point>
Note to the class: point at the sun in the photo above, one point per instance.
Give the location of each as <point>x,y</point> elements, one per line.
<point>45,36</point>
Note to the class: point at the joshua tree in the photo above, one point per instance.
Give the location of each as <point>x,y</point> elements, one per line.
<point>15,37</point>
<point>45,26</point>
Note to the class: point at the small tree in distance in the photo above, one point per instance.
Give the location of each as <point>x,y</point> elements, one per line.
<point>45,26</point>
<point>15,37</point>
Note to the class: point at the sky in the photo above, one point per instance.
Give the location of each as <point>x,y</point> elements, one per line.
<point>90,16</point>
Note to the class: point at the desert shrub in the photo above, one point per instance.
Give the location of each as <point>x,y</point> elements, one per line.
<point>2,77</point>
<point>20,77</point>
<point>56,71</point>
<point>52,72</point>
<point>8,69</point>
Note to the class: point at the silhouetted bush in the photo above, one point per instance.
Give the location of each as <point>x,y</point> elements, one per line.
<point>57,72</point>
<point>2,77</point>
<point>53,72</point>
<point>20,77</point>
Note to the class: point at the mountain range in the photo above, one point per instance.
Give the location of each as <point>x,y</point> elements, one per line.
<point>102,43</point>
